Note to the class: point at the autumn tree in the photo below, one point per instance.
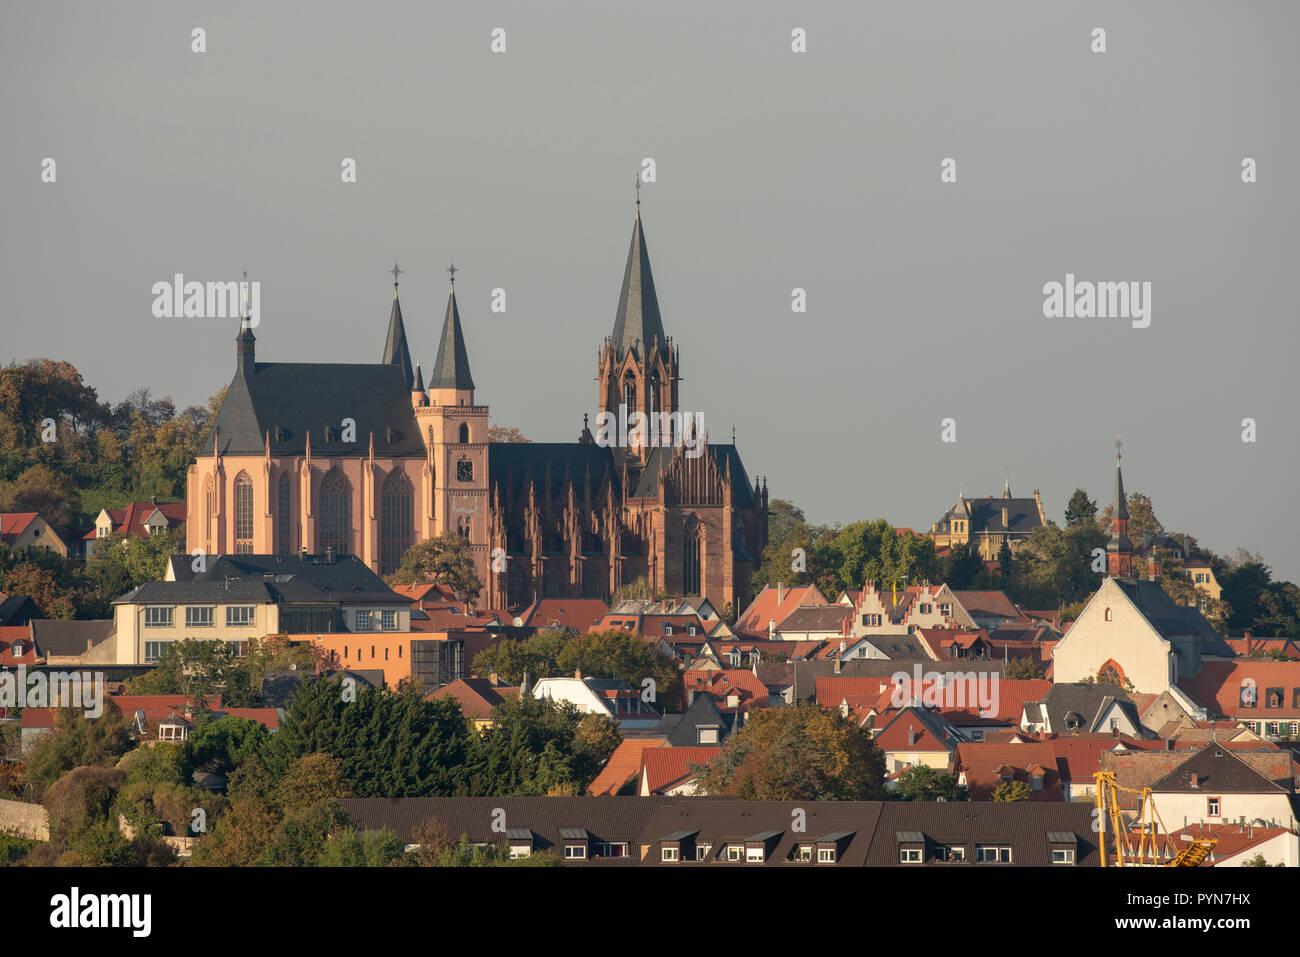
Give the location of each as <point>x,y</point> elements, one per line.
<point>502,433</point>
<point>444,560</point>
<point>806,753</point>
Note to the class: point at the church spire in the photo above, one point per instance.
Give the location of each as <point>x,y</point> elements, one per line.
<point>451,371</point>
<point>395,349</point>
<point>1119,550</point>
<point>637,323</point>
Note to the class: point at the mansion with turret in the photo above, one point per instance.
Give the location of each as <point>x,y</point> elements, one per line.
<point>368,459</point>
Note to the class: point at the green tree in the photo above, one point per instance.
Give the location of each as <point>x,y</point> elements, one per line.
<point>444,560</point>
<point>352,848</point>
<point>802,753</point>
<point>79,741</point>
<point>1080,510</point>
<point>1024,668</point>
<point>533,746</point>
<point>1012,791</point>
<point>922,783</point>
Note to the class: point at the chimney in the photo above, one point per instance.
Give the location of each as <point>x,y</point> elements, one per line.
<point>911,736</point>
<point>780,593</point>
<point>153,499</point>
<point>492,678</point>
<point>771,628</point>
<point>690,697</point>
<point>1153,566</point>
<point>837,665</point>
<point>1195,780</point>
<point>578,674</point>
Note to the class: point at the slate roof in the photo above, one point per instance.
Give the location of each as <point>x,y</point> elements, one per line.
<point>1171,619</point>
<point>269,578</point>
<point>1218,770</point>
<point>682,730</point>
<point>1088,701</point>
<point>297,397</point>
<point>986,515</point>
<point>70,637</point>
<point>451,371</point>
<point>661,456</point>
<point>613,819</point>
<point>396,352</point>
<point>1024,826</point>
<point>637,322</point>
<point>18,610</point>
<point>510,464</point>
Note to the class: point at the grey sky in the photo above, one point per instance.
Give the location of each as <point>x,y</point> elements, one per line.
<point>775,170</point>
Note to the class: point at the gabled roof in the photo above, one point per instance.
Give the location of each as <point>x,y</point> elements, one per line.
<point>451,371</point>
<point>13,524</point>
<point>476,696</point>
<point>723,457</point>
<point>1170,619</point>
<point>1230,839</point>
<point>987,603</point>
<point>986,763</point>
<point>269,578</point>
<point>682,730</point>
<point>765,607</point>
<point>663,768</point>
<point>580,614</point>
<point>1031,829</point>
<point>918,729</point>
<point>623,764</point>
<point>1216,769</point>
<point>816,618</point>
<point>58,637</point>
<point>1222,687</point>
<point>1079,707</point>
<point>288,399</point>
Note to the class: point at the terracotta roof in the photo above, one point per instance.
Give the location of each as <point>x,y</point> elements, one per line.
<point>130,520</point>
<point>37,718</point>
<point>1079,756</point>
<point>578,614</point>
<point>623,764</point>
<point>13,524</point>
<point>987,602</point>
<point>764,607</point>
<point>663,768</point>
<point>831,690</point>
<point>985,763</point>
<point>476,696</point>
<point>1232,839</point>
<point>917,729</point>
<point>817,618</point>
<point>1221,687</point>
<point>719,684</point>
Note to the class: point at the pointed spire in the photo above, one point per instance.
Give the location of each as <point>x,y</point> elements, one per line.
<point>1121,502</point>
<point>418,384</point>
<point>1119,550</point>
<point>637,320</point>
<point>395,349</point>
<point>451,371</point>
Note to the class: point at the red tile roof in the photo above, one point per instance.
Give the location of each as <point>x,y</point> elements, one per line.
<point>987,602</point>
<point>1218,686</point>
<point>764,607</point>
<point>985,763</point>
<point>661,768</point>
<point>130,520</point>
<point>1232,838</point>
<point>830,691</point>
<point>476,696</point>
<point>623,764</point>
<point>720,684</point>
<point>13,524</point>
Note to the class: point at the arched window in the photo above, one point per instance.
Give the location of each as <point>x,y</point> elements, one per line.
<point>1108,614</point>
<point>691,561</point>
<point>395,521</point>
<point>243,514</point>
<point>284,514</point>
<point>464,434</point>
<point>332,525</point>
<point>210,504</point>
<point>629,393</point>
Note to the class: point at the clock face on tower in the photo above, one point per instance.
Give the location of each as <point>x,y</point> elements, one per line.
<point>464,471</point>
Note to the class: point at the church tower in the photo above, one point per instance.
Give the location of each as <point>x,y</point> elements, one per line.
<point>637,368</point>
<point>455,432</point>
<point>1119,550</point>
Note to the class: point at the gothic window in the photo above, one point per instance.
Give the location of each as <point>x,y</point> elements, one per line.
<point>629,393</point>
<point>691,562</point>
<point>284,515</point>
<point>464,471</point>
<point>243,514</point>
<point>1110,675</point>
<point>332,525</point>
<point>1108,614</point>
<point>464,434</point>
<point>395,521</point>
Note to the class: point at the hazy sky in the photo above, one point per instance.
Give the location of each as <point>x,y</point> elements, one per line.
<point>775,170</point>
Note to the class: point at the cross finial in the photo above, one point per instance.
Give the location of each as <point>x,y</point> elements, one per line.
<point>1119,443</point>
<point>638,191</point>
<point>243,289</point>
<point>452,270</point>
<point>396,271</point>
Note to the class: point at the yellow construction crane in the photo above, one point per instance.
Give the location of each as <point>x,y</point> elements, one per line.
<point>1145,853</point>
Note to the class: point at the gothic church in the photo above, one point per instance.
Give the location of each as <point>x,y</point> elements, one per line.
<point>366,459</point>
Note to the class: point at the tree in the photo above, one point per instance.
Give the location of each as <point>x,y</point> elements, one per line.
<point>1012,791</point>
<point>539,656</point>
<point>502,433</point>
<point>803,753</point>
<point>1141,516</point>
<point>961,566</point>
<point>922,783</point>
<point>1024,668</point>
<point>387,744</point>
<point>79,741</point>
<point>196,668</point>
<point>1005,563</point>
<point>1080,510</point>
<point>444,560</point>
<point>352,848</point>
<point>616,654</point>
<point>42,489</point>
<point>535,745</point>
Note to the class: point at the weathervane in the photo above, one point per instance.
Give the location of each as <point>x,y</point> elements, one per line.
<point>638,189</point>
